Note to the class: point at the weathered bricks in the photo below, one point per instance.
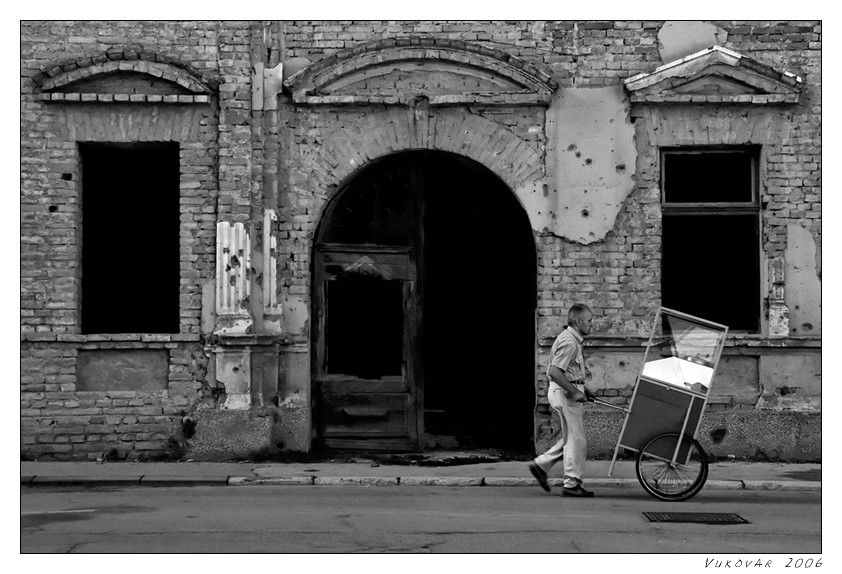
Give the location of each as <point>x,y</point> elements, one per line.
<point>225,163</point>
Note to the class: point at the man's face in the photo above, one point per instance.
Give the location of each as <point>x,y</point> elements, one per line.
<point>583,323</point>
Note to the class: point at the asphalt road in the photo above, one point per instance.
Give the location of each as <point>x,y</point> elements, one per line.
<point>376,519</point>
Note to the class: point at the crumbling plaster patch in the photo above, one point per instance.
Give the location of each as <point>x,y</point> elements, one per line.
<point>208,306</point>
<point>294,422</point>
<point>591,160</point>
<point>792,381</point>
<point>295,314</point>
<point>232,371</point>
<point>677,39</point>
<point>291,429</point>
<point>803,289</point>
<point>292,66</point>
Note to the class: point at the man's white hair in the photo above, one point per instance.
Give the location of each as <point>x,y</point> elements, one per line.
<point>577,311</point>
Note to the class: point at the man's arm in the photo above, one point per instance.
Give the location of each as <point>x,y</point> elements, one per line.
<point>558,376</point>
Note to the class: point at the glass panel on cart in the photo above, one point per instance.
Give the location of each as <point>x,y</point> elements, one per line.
<point>685,356</point>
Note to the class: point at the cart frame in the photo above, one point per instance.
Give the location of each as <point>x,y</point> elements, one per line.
<point>643,426</point>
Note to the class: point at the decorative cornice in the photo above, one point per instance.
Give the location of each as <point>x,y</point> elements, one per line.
<point>715,75</point>
<point>57,83</point>
<point>334,79</point>
<point>122,98</point>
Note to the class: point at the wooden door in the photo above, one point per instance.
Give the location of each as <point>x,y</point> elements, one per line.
<point>365,299</point>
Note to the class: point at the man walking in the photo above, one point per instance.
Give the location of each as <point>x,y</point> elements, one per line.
<point>567,395</point>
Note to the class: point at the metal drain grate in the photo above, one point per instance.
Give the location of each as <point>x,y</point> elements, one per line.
<point>699,517</point>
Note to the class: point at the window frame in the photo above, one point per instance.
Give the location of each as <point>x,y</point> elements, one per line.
<point>712,207</point>
<point>722,209</point>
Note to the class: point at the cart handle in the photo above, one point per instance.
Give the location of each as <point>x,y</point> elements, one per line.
<point>606,404</point>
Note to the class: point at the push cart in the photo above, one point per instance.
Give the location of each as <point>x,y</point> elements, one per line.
<point>667,405</point>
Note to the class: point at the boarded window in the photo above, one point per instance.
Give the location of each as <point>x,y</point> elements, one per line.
<point>122,370</point>
<point>711,235</point>
<point>130,238</point>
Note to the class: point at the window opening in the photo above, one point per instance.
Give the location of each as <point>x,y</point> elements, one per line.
<point>711,239</point>
<point>130,238</point>
<point>364,327</point>
<point>709,177</point>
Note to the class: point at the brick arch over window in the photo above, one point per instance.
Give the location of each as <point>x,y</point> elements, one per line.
<point>346,149</point>
<point>383,72</point>
<point>73,81</point>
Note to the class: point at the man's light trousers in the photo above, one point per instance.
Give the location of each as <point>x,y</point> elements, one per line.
<point>572,446</point>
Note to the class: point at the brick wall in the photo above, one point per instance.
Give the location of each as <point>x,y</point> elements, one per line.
<point>236,160</point>
<point>57,419</point>
<point>50,174</point>
<point>620,277</point>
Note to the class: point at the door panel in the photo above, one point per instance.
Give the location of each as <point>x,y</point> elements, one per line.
<point>363,414</point>
<point>364,340</point>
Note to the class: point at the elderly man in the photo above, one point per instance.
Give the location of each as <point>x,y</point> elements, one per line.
<point>567,395</point>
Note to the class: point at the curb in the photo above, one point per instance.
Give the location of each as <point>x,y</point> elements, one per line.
<point>308,480</point>
<point>90,481</point>
<point>183,481</point>
<point>284,480</point>
<point>354,480</point>
<point>789,485</point>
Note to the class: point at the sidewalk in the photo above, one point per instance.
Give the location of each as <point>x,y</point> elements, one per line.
<point>737,475</point>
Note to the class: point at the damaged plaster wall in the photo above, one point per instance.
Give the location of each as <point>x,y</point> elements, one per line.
<point>677,39</point>
<point>803,283</point>
<point>232,373</point>
<point>791,382</point>
<point>296,315</point>
<point>591,161</point>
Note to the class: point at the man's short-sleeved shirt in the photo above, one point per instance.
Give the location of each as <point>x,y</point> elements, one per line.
<point>566,354</point>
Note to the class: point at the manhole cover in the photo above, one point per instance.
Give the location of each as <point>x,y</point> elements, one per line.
<point>699,517</point>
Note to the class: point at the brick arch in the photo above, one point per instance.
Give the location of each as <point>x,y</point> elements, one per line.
<point>157,67</point>
<point>516,81</point>
<point>347,149</point>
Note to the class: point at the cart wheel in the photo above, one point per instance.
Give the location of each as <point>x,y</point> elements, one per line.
<point>670,481</point>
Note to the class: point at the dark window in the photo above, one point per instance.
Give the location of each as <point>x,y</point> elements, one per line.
<point>130,238</point>
<point>709,177</point>
<point>711,238</point>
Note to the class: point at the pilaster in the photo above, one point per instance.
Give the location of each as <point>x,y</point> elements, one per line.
<point>247,325</point>
<point>778,311</point>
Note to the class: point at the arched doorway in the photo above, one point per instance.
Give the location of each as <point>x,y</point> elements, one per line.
<point>424,309</point>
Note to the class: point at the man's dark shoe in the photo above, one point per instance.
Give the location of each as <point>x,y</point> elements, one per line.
<point>539,475</point>
<point>577,491</point>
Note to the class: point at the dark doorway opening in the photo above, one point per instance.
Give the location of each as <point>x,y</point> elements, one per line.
<point>130,238</point>
<point>479,307</point>
<point>468,306</point>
